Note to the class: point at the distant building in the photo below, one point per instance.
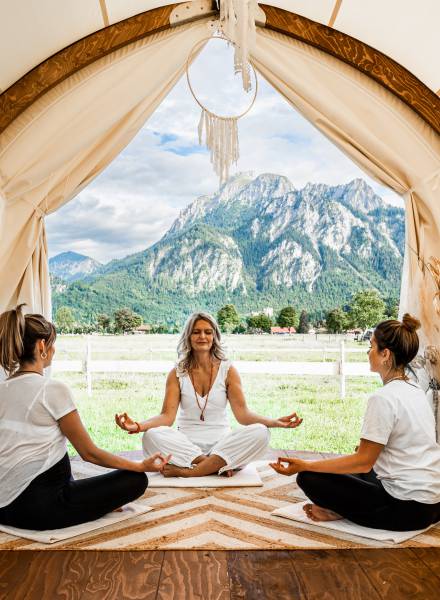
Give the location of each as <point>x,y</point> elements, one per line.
<point>143,329</point>
<point>268,311</point>
<point>282,330</point>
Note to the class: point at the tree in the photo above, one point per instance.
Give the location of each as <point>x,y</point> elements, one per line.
<point>103,322</point>
<point>336,320</point>
<point>367,309</point>
<point>391,307</point>
<point>303,326</point>
<point>228,318</point>
<point>64,319</point>
<point>288,317</point>
<point>126,320</point>
<point>259,322</point>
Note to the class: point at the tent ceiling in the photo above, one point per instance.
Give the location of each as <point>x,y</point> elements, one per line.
<point>405,30</point>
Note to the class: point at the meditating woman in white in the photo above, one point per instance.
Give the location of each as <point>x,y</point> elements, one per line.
<point>201,386</point>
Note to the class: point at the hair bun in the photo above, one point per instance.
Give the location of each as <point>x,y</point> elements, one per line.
<point>410,323</point>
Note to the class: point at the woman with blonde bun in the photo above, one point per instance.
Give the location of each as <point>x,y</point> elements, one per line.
<point>37,416</point>
<point>392,481</point>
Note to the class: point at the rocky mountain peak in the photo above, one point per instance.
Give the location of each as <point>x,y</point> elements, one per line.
<point>70,266</point>
<point>258,238</point>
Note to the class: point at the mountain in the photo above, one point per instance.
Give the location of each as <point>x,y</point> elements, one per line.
<point>256,242</point>
<point>70,266</point>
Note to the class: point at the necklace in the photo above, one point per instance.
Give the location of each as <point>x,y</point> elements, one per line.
<point>399,377</point>
<point>202,410</point>
<point>17,373</point>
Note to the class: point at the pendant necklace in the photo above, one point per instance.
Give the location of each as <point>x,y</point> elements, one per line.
<point>202,410</point>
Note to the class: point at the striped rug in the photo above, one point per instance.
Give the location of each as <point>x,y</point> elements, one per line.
<point>215,519</point>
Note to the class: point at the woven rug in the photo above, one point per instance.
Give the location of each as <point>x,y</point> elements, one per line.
<point>216,519</point>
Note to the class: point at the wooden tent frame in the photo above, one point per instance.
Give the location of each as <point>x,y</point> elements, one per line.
<point>373,63</point>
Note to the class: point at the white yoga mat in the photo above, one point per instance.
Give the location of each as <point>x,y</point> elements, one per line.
<point>56,535</point>
<point>247,477</point>
<point>295,513</point>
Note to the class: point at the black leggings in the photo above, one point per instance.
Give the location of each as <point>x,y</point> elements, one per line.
<point>53,499</point>
<point>363,500</point>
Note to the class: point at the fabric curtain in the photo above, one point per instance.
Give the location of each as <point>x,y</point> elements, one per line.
<point>381,135</point>
<point>65,139</point>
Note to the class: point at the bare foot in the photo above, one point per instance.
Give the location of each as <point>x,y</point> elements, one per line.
<point>316,513</point>
<point>227,473</point>
<point>175,471</point>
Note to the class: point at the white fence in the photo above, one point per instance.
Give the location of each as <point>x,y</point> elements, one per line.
<point>340,367</point>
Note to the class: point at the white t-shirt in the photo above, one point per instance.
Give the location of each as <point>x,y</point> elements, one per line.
<point>31,441</point>
<point>400,417</point>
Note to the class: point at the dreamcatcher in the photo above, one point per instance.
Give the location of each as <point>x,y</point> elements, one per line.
<point>237,28</point>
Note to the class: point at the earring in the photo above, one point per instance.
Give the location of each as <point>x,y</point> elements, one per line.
<point>43,355</point>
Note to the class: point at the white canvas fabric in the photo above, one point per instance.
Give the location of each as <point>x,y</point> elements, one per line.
<point>404,30</point>
<point>380,134</point>
<point>65,139</point>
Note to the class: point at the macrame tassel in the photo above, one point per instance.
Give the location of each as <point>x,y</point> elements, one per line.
<point>221,138</point>
<point>237,18</point>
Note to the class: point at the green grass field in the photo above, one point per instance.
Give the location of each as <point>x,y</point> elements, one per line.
<point>330,424</point>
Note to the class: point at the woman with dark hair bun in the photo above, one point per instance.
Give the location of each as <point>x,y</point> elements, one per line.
<point>37,415</point>
<point>392,481</point>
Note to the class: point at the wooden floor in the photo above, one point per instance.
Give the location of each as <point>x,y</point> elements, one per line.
<point>372,574</point>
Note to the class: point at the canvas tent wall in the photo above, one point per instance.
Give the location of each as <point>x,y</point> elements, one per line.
<point>86,74</point>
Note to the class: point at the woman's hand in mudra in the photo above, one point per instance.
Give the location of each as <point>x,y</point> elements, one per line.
<point>287,422</point>
<point>288,466</point>
<point>126,423</point>
<point>155,463</point>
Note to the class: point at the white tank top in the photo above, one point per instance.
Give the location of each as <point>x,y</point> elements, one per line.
<point>216,423</point>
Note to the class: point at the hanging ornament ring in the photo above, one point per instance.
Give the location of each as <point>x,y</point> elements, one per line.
<point>221,133</point>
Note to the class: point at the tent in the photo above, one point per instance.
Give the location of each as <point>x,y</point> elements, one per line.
<point>79,78</point>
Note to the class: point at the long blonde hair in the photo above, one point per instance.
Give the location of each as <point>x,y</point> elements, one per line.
<point>184,350</point>
<point>18,335</point>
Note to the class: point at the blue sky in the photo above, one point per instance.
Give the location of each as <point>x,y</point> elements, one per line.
<point>136,199</point>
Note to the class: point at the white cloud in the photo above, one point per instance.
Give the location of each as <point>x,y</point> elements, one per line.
<point>135,200</point>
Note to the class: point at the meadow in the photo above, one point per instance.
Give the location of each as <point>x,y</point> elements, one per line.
<point>330,423</point>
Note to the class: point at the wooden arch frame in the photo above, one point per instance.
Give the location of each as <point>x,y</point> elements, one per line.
<point>384,70</point>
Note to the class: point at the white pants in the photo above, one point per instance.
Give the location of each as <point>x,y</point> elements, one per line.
<point>237,448</point>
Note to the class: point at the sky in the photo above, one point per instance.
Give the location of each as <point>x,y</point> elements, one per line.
<point>131,204</point>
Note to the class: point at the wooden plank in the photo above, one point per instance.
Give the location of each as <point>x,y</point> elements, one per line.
<point>332,574</point>
<point>265,575</point>
<point>431,558</point>
<point>398,574</point>
<point>194,574</point>
<point>12,567</point>
<point>21,94</point>
<point>371,62</point>
<point>127,575</point>
<point>45,575</point>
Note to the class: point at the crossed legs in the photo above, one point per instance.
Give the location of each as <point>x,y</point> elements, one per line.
<point>233,451</point>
